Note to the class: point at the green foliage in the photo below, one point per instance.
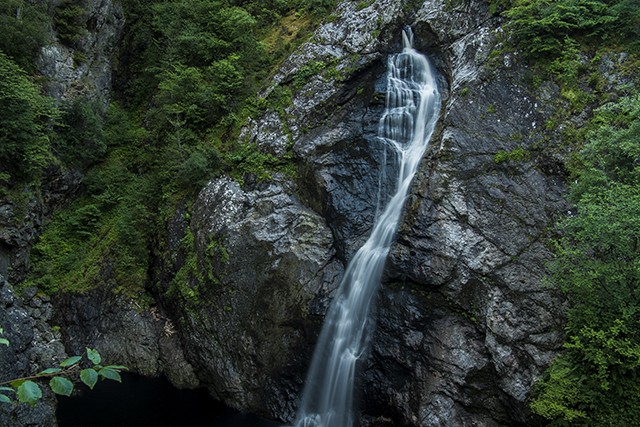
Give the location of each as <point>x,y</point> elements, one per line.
<point>89,377</point>
<point>80,140</point>
<point>24,30</point>
<point>24,119</point>
<point>559,392</point>
<point>312,69</point>
<point>544,27</point>
<point>597,267</point>
<point>364,4</point>
<point>108,228</point>
<point>28,392</point>
<point>248,161</point>
<point>613,148</point>
<point>319,6</point>
<point>69,21</point>
<point>3,341</point>
<point>28,389</point>
<point>188,81</point>
<point>517,155</point>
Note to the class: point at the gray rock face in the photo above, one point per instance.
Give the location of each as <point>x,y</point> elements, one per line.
<point>85,68</point>
<point>465,327</point>
<point>141,338</point>
<point>264,268</point>
<point>34,346</point>
<point>474,233</point>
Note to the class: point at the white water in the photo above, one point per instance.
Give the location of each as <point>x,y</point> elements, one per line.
<point>412,107</point>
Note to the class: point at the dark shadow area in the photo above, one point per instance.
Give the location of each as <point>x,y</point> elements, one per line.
<point>141,402</point>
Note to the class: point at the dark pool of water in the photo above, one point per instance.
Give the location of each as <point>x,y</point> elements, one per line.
<point>153,402</point>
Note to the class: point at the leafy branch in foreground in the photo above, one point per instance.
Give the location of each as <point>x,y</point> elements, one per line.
<point>27,390</point>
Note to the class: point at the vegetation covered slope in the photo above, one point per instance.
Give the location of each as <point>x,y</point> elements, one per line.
<point>597,254</point>
<point>187,78</point>
<point>188,75</point>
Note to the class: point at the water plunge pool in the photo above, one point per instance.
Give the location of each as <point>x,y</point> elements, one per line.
<point>142,401</point>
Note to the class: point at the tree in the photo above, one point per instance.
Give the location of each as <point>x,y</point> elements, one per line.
<point>597,267</point>
<point>542,27</point>
<point>80,138</point>
<point>25,119</point>
<point>24,30</point>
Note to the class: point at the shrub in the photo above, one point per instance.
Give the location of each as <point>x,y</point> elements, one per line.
<point>70,21</point>
<point>24,30</point>
<point>25,116</point>
<point>80,138</point>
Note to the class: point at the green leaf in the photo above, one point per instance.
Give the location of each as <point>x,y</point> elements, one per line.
<point>89,377</point>
<point>70,361</point>
<point>94,356</point>
<point>4,399</point>
<point>110,374</point>
<point>61,385</point>
<point>50,371</point>
<point>117,367</point>
<point>4,341</point>
<point>29,392</point>
<point>7,389</point>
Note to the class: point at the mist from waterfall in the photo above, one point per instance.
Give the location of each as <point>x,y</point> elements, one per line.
<point>411,113</point>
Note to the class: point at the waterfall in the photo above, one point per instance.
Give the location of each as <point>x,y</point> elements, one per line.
<point>412,107</point>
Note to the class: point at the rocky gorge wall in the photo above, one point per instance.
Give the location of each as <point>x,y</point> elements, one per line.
<point>465,326</point>
<point>243,277</point>
<point>27,318</point>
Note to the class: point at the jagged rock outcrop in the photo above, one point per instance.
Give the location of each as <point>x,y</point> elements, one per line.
<point>33,346</point>
<point>465,326</point>
<point>244,279</point>
<point>124,332</point>
<point>85,68</point>
<point>257,283</point>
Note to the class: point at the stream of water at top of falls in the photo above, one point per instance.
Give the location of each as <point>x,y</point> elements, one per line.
<point>410,116</point>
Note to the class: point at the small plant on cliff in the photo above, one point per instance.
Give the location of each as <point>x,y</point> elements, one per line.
<point>28,389</point>
<point>518,155</point>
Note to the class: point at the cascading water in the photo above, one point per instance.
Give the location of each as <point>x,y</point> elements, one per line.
<point>412,107</point>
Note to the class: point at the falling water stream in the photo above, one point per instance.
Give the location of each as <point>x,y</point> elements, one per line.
<point>412,107</point>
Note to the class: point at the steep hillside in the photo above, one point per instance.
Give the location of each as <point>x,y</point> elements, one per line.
<point>208,168</point>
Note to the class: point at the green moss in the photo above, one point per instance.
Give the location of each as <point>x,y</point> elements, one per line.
<point>517,155</point>
<point>306,73</point>
<point>364,4</point>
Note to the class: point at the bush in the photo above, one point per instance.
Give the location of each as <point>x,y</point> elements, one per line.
<point>80,138</point>
<point>597,267</point>
<point>24,30</point>
<point>25,116</point>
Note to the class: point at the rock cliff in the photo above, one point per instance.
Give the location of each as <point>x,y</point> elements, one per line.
<point>27,318</point>
<point>464,325</point>
<point>243,277</point>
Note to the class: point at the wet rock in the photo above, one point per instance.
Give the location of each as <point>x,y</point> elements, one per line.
<point>263,268</point>
<point>33,346</point>
<point>85,68</point>
<point>125,333</point>
<point>465,326</point>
